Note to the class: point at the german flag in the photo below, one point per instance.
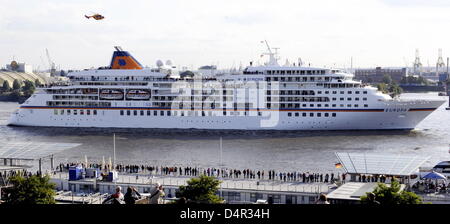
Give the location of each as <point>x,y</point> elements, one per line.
<point>338,165</point>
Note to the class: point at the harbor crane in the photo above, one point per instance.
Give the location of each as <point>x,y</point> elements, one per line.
<point>51,63</point>
<point>417,66</point>
<point>440,65</point>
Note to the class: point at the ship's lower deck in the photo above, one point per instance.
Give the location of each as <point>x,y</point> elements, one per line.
<point>363,119</point>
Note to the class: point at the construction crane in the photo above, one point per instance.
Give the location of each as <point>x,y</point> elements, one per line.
<point>417,66</point>
<point>440,65</point>
<point>51,63</point>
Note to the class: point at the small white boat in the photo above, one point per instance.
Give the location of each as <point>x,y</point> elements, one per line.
<point>110,94</point>
<point>136,94</point>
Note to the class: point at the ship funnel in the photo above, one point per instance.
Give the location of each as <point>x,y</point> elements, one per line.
<point>123,60</point>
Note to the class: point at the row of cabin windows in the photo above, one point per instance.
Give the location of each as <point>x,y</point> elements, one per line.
<point>298,79</point>
<point>291,92</point>
<point>297,105</point>
<point>72,91</point>
<point>62,97</point>
<point>302,99</point>
<point>314,99</point>
<point>74,112</point>
<point>142,113</point>
<point>343,92</point>
<point>175,113</point>
<point>349,99</point>
<point>311,114</point>
<point>296,72</point>
<point>310,92</point>
<point>113,83</point>
<point>79,103</point>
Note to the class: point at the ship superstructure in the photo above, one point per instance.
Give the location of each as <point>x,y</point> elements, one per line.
<point>268,97</point>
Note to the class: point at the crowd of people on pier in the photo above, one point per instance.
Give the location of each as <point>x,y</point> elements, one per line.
<point>230,173</point>
<point>431,187</point>
<point>305,177</point>
<point>226,173</point>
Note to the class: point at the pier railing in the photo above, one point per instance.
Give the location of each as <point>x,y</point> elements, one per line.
<point>227,183</point>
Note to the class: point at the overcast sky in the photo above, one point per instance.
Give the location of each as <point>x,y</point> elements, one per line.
<point>225,33</point>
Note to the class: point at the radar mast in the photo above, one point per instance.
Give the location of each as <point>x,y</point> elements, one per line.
<point>273,58</point>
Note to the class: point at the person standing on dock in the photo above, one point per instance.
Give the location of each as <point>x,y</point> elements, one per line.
<point>322,200</point>
<point>131,196</point>
<point>116,198</point>
<point>156,195</point>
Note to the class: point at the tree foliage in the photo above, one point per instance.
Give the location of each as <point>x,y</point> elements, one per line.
<point>387,79</point>
<point>392,89</point>
<point>6,87</point>
<point>30,190</point>
<point>37,83</point>
<point>383,87</point>
<point>16,84</point>
<point>28,88</point>
<point>395,90</point>
<point>201,190</point>
<point>391,195</point>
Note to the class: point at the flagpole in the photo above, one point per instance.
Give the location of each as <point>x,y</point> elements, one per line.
<point>221,151</point>
<point>114,140</point>
<point>114,159</point>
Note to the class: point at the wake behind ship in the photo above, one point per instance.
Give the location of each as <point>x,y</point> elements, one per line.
<point>269,97</point>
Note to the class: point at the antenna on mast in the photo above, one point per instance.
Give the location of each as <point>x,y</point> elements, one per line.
<point>273,59</point>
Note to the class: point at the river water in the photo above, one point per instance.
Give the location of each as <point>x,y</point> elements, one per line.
<point>283,151</point>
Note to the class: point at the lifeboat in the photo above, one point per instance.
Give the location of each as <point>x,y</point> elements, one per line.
<point>111,94</point>
<point>136,94</point>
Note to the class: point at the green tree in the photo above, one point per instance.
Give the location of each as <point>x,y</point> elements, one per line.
<point>6,87</point>
<point>395,89</point>
<point>28,88</point>
<point>391,195</point>
<point>382,87</point>
<point>392,89</point>
<point>387,79</point>
<point>201,190</point>
<point>37,83</point>
<point>16,84</point>
<point>30,190</point>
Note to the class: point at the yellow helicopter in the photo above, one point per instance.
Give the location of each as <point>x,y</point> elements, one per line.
<point>96,16</point>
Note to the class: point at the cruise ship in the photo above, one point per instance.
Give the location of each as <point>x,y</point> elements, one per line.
<point>260,97</point>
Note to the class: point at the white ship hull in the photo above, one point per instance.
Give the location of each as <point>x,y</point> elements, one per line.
<point>344,120</point>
